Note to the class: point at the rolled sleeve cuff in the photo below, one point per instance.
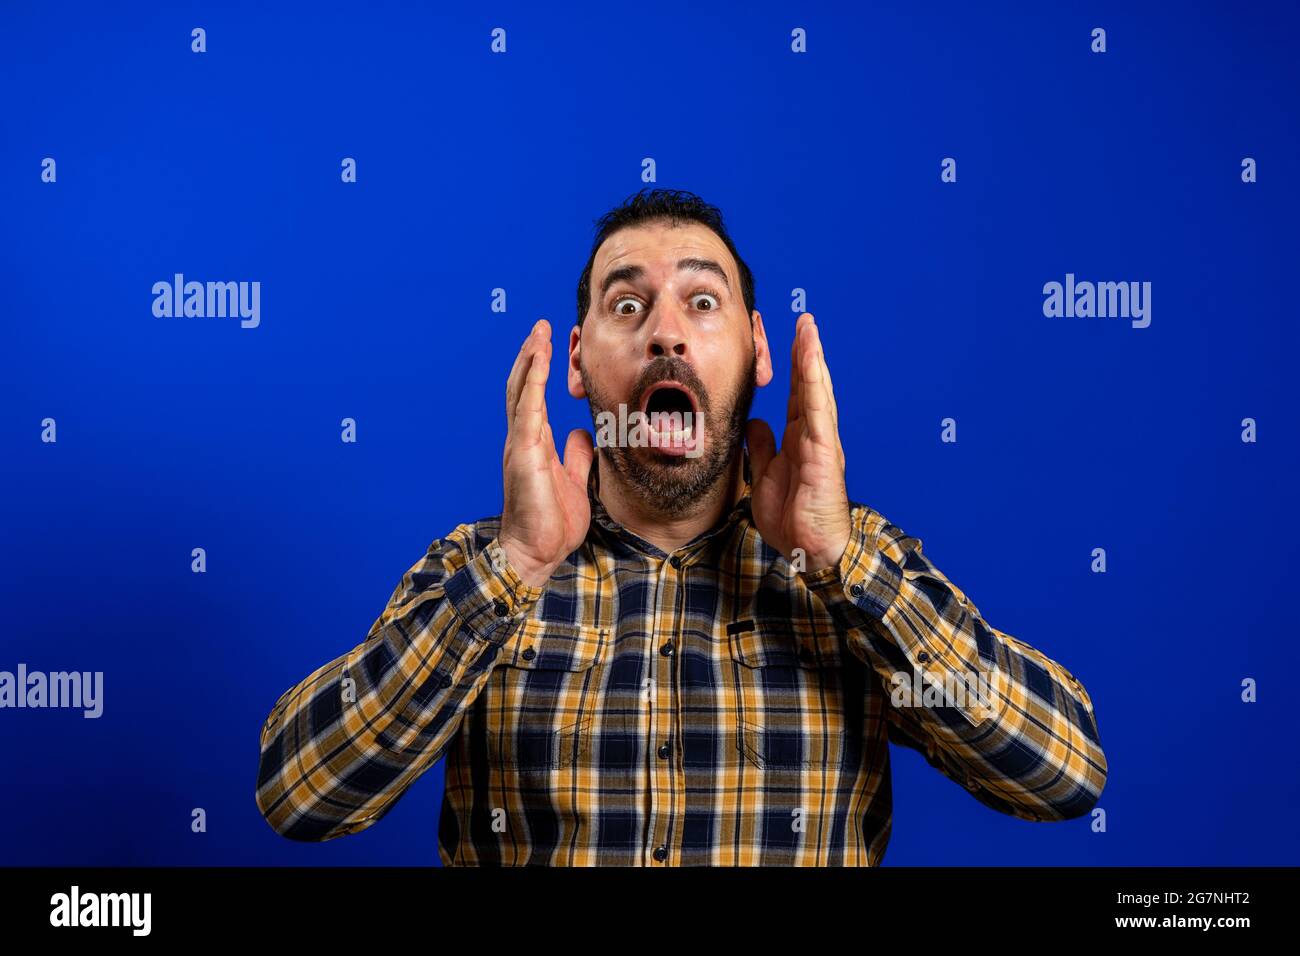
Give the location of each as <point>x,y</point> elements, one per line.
<point>489,596</point>
<point>864,584</point>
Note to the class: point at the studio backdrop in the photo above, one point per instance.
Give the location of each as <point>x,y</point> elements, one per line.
<point>1051,249</point>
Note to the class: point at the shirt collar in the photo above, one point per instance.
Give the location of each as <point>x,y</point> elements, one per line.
<point>599,516</point>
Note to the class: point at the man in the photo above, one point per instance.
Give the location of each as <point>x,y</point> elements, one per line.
<point>686,650</point>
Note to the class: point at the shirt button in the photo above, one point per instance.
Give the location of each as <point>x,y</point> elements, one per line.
<point>664,751</point>
<point>661,853</point>
<point>501,608</point>
<point>856,590</point>
<point>667,650</point>
<point>923,657</point>
<point>528,654</point>
<point>675,561</point>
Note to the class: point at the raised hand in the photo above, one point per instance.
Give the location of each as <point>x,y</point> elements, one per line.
<point>546,511</point>
<point>798,497</point>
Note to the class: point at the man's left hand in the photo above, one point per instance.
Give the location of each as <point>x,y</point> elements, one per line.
<point>798,496</point>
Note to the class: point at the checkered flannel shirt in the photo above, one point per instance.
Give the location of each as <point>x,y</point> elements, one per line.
<point>713,706</point>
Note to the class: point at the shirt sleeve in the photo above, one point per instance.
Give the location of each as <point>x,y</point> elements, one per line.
<point>992,713</point>
<point>340,747</point>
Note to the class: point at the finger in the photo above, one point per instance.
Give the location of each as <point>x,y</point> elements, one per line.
<point>530,417</point>
<point>579,452</point>
<point>826,375</point>
<point>792,407</point>
<point>762,448</point>
<point>517,371</point>
<point>816,401</point>
<point>830,396</point>
<point>514,382</point>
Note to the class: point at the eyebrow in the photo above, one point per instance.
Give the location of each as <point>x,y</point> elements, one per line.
<point>691,264</point>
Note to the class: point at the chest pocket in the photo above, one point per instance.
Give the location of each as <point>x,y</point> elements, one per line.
<point>790,713</point>
<point>540,700</point>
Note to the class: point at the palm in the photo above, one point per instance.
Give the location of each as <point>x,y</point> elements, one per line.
<point>798,496</point>
<point>547,511</point>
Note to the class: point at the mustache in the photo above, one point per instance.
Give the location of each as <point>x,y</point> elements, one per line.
<point>669,368</point>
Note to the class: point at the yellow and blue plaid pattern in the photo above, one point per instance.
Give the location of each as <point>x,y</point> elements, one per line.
<point>715,706</point>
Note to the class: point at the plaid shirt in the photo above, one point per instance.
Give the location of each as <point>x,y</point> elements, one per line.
<point>715,706</point>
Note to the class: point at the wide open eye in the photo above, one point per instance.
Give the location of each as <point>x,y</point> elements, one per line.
<point>710,296</point>
<point>626,300</point>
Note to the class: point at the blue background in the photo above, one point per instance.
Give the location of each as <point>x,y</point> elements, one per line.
<point>478,171</point>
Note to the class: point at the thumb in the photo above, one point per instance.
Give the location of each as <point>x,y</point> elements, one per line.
<point>578,455</point>
<point>762,448</point>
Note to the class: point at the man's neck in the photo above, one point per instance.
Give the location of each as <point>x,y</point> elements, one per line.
<point>630,509</point>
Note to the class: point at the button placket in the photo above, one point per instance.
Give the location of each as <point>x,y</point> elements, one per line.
<point>664,716</point>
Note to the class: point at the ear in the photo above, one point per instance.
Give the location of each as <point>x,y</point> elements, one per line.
<point>575,364</point>
<point>762,354</point>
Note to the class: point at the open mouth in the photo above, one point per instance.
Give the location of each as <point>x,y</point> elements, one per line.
<point>672,417</point>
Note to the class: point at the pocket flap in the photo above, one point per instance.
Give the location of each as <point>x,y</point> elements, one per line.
<point>782,642</point>
<point>556,646</point>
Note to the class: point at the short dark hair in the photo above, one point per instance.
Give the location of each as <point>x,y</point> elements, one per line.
<point>653,204</point>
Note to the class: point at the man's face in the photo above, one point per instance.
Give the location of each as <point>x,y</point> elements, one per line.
<point>667,332</point>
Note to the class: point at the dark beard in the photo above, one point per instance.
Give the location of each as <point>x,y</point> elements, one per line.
<point>673,485</point>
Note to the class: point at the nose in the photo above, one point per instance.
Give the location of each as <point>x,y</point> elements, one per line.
<point>667,333</point>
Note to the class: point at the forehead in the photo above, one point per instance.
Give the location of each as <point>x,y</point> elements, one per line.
<point>658,245</point>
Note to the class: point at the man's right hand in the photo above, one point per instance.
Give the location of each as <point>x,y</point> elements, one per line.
<point>546,511</point>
